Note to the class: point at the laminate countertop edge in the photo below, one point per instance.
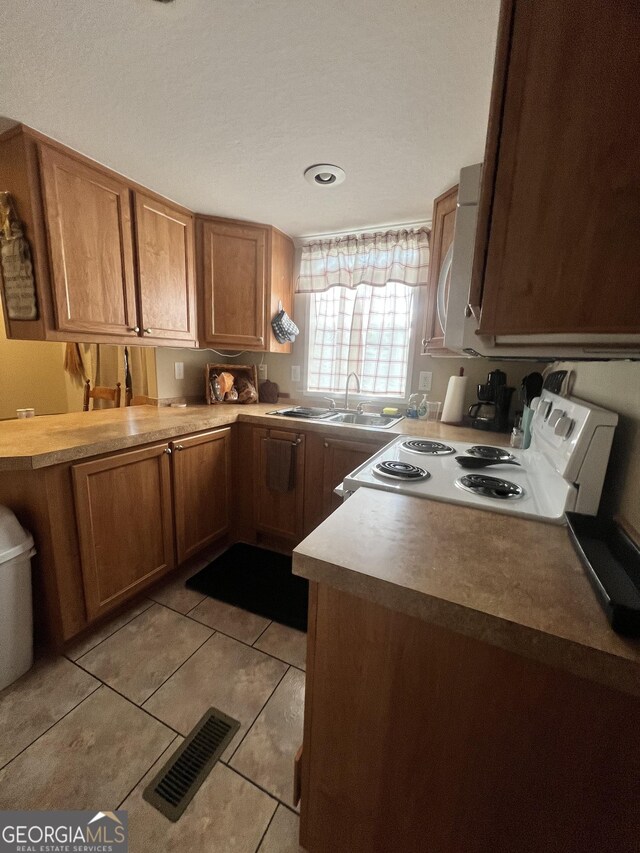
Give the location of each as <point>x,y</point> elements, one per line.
<point>584,645</point>
<point>48,440</point>
<point>558,652</point>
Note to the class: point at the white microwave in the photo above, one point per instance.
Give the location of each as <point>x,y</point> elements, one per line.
<point>461,326</point>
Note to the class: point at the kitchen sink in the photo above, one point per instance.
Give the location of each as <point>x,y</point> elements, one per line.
<point>339,417</point>
<point>309,413</point>
<point>370,420</point>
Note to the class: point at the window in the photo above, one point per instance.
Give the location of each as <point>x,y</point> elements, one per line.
<point>364,329</point>
<point>362,295</point>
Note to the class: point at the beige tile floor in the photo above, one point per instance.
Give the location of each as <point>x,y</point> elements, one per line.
<point>88,730</point>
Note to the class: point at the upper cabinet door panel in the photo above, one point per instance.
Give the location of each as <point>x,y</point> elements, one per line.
<point>165,269</point>
<point>563,249</point>
<point>88,219</point>
<point>234,269</point>
<point>442,228</point>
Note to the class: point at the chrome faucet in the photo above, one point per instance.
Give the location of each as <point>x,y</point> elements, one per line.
<point>346,390</point>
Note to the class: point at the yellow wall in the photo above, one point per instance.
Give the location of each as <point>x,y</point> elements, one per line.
<point>32,375</point>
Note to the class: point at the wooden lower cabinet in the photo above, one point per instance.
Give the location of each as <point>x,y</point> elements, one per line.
<point>202,487</point>
<point>328,461</point>
<point>125,524</point>
<point>420,739</point>
<point>278,514</point>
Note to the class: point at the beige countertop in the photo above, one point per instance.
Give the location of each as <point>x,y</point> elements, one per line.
<point>53,439</point>
<point>515,583</point>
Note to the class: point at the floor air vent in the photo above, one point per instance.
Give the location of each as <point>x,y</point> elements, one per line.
<point>173,788</point>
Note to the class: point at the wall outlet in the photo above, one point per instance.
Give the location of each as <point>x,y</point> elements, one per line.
<point>295,373</point>
<point>262,372</point>
<point>178,369</point>
<point>425,380</point>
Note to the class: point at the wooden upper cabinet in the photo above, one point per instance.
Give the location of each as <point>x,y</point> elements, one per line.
<point>88,221</point>
<point>166,276</point>
<point>125,524</point>
<point>440,253</point>
<point>202,489</point>
<point>110,259</point>
<point>246,272</point>
<point>558,247</point>
<point>234,285</point>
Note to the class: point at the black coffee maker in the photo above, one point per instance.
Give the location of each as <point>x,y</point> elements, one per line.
<point>491,412</point>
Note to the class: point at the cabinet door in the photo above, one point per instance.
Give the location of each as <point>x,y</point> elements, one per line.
<point>279,513</point>
<point>165,248</point>
<point>201,482</point>
<point>559,243</point>
<point>125,525</point>
<point>442,227</point>
<point>340,457</point>
<point>234,285</point>
<point>88,220</point>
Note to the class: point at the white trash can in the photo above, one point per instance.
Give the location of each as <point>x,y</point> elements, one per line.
<point>16,615</point>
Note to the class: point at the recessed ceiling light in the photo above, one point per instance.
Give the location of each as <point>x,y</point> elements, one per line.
<point>325,175</point>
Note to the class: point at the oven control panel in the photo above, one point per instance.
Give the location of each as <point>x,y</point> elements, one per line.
<point>563,428</point>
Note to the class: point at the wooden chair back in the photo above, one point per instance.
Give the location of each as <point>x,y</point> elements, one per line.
<point>142,400</point>
<point>100,393</point>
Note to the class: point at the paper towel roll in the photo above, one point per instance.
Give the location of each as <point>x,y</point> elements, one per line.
<point>453,409</point>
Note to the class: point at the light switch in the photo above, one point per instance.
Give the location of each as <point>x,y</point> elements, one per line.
<point>178,369</point>
<point>295,373</point>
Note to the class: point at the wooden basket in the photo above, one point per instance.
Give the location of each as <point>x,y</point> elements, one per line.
<point>244,371</point>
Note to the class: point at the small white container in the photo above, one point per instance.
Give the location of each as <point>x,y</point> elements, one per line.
<point>16,614</point>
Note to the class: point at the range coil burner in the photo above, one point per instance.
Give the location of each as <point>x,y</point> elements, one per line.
<point>428,448</point>
<point>490,487</point>
<point>485,451</point>
<point>394,470</point>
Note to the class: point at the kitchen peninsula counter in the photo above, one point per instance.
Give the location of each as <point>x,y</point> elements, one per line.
<point>53,439</point>
<point>511,582</point>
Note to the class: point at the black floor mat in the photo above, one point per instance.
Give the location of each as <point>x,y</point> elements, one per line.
<point>257,580</point>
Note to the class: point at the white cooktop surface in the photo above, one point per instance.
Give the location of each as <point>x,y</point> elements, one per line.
<point>546,494</point>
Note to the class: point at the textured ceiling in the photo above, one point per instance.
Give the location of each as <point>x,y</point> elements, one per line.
<point>222,104</point>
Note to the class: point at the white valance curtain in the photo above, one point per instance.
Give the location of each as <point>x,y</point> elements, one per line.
<point>400,256</point>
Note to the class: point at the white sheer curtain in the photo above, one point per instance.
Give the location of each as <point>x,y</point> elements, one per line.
<point>366,330</point>
<point>373,259</point>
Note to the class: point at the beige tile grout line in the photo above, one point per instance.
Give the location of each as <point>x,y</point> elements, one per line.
<point>171,728</point>
<point>266,830</point>
<point>197,622</point>
<point>135,704</point>
<point>249,645</point>
<point>66,714</point>
<point>128,622</point>
<point>242,739</point>
<point>167,747</point>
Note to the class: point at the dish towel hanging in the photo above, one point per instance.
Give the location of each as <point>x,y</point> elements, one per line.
<point>280,465</point>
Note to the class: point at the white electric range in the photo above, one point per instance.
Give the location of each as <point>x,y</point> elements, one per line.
<point>563,469</point>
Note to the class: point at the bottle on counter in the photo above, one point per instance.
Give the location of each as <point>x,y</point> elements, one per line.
<point>422,408</point>
<point>412,408</point>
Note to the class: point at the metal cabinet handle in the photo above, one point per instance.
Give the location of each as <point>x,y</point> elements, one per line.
<point>167,450</point>
<point>135,329</point>
<point>326,444</point>
<point>148,331</point>
<point>178,446</point>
